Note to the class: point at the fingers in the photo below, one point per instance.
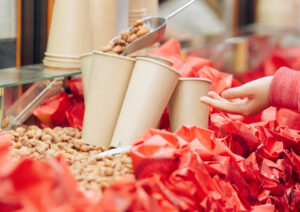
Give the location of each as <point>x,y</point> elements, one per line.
<point>223,105</point>
<point>214,95</point>
<point>238,92</point>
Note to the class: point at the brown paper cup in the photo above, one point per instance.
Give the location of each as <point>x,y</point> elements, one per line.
<point>156,58</point>
<point>103,22</point>
<point>108,83</point>
<point>86,67</point>
<point>150,88</point>
<point>185,107</point>
<point>69,31</point>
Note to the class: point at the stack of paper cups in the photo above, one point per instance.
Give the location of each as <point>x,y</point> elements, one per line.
<point>150,88</point>
<point>69,35</point>
<point>61,61</point>
<point>103,15</point>
<point>152,7</point>
<point>185,107</point>
<point>277,13</point>
<point>137,11</point>
<point>108,82</point>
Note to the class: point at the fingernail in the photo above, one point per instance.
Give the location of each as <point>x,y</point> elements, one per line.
<point>203,98</point>
<point>224,94</point>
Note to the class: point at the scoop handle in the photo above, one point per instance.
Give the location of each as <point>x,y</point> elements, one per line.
<point>180,9</point>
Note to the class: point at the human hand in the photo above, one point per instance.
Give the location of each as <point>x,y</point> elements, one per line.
<point>255,96</point>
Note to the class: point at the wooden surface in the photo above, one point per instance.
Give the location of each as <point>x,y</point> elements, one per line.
<point>49,14</point>
<point>19,33</point>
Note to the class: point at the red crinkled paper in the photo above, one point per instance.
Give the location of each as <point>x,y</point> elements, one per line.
<point>63,109</point>
<point>75,114</point>
<point>171,50</point>
<point>278,57</point>
<point>52,111</point>
<point>192,65</point>
<point>76,87</point>
<point>194,171</point>
<point>220,81</point>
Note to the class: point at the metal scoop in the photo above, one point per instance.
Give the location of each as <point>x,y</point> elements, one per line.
<point>157,27</point>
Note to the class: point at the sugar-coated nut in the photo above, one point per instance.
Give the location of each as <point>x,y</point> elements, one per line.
<point>46,137</point>
<point>135,30</point>
<point>56,139</point>
<point>142,31</point>
<point>38,134</point>
<point>33,127</point>
<point>124,34</point>
<point>108,171</point>
<point>21,131</point>
<point>5,122</point>
<point>106,48</point>
<point>119,42</point>
<point>109,157</point>
<point>138,23</point>
<point>118,49</point>
<point>65,137</point>
<point>17,146</point>
<point>132,38</point>
<point>77,134</point>
<point>48,131</point>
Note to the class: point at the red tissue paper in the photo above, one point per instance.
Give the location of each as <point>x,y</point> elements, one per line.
<point>192,170</point>
<point>63,109</point>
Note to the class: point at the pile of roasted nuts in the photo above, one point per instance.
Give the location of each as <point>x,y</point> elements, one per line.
<point>126,37</point>
<point>91,171</point>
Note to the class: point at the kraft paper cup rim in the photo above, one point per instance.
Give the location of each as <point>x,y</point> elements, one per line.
<point>159,63</point>
<point>61,60</point>
<point>136,18</point>
<point>57,67</point>
<point>85,55</point>
<point>61,55</point>
<point>152,56</point>
<point>138,10</point>
<point>113,55</point>
<point>136,14</point>
<point>195,79</point>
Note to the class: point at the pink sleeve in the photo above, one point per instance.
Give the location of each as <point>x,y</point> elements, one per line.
<point>285,89</point>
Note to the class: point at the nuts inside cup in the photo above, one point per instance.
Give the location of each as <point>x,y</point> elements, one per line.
<point>126,37</point>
